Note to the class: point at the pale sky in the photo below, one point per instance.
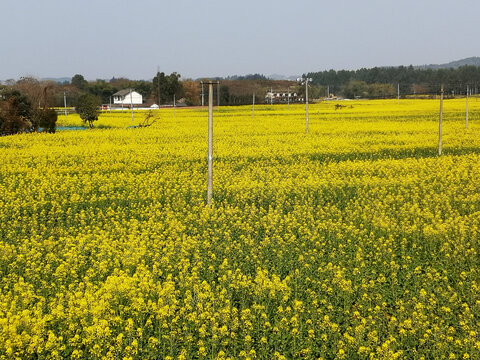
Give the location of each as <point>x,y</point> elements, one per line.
<point>106,38</point>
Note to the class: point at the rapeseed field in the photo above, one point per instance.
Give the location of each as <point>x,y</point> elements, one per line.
<point>355,241</point>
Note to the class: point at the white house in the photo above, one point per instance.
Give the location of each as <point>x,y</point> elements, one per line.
<point>282,97</point>
<point>127,97</point>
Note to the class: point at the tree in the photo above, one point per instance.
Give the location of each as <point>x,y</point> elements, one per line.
<point>148,120</point>
<point>15,112</point>
<point>79,82</point>
<point>141,86</point>
<point>46,119</point>
<point>191,90</point>
<point>376,91</point>
<point>355,89</point>
<point>159,85</point>
<point>102,89</point>
<point>31,88</point>
<point>164,87</point>
<point>224,95</point>
<point>173,85</point>
<point>88,108</point>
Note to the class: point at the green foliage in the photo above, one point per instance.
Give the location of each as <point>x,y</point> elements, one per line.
<point>247,77</point>
<point>141,86</point>
<point>165,86</point>
<point>376,91</point>
<point>18,115</point>
<point>407,76</point>
<point>15,112</point>
<point>105,89</point>
<point>88,108</point>
<point>355,89</point>
<point>102,89</point>
<point>244,99</point>
<point>21,101</point>
<point>191,91</point>
<point>79,81</point>
<point>46,119</point>
<point>363,90</point>
<point>224,95</point>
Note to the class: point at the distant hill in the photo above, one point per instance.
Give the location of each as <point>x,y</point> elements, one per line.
<point>475,61</point>
<point>61,80</point>
<point>283,77</point>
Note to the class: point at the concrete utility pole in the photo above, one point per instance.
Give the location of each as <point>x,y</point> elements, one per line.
<point>440,123</point>
<point>210,142</point>
<point>110,107</point>
<point>306,101</point>
<point>398,93</point>
<point>173,105</point>
<point>218,94</point>
<point>65,104</point>
<point>158,85</point>
<point>131,103</point>
<point>466,113</point>
<point>253,106</point>
<point>305,81</point>
<point>202,94</point>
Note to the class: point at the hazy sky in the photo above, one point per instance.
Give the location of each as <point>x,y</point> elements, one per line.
<point>106,38</point>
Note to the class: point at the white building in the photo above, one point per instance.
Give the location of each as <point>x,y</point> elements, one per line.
<point>282,97</point>
<point>127,97</point>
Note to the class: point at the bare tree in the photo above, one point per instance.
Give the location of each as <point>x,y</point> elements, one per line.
<point>150,119</point>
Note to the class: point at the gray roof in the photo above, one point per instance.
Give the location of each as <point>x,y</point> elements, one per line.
<point>123,92</point>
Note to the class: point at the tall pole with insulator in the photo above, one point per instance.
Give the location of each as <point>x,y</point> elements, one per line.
<point>440,123</point>
<point>466,111</point>
<point>210,142</point>
<point>305,81</point>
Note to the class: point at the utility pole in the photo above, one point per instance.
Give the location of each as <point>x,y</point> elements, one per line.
<point>131,103</point>
<point>158,85</point>
<point>173,105</point>
<point>440,123</point>
<point>65,104</point>
<point>328,91</point>
<point>218,94</point>
<point>306,101</point>
<point>398,93</point>
<point>110,107</point>
<point>210,145</point>
<point>305,81</point>
<point>466,113</point>
<point>210,142</point>
<point>202,94</point>
<point>253,106</point>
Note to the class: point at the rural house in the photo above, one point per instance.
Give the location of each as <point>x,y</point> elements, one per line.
<point>127,97</point>
<point>282,97</point>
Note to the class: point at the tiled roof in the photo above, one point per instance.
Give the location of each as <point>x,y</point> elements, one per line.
<point>123,92</point>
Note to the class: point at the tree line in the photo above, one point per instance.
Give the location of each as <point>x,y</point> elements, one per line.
<point>24,103</point>
<point>382,81</point>
<point>160,90</point>
<point>18,114</point>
